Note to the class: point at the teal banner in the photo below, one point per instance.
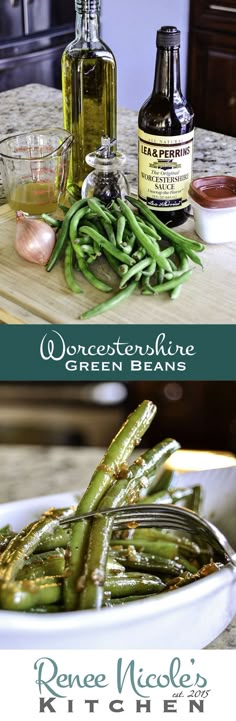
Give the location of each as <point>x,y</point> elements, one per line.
<point>117,352</point>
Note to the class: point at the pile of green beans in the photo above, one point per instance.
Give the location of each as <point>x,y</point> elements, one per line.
<point>143,252</point>
<point>49,568</point>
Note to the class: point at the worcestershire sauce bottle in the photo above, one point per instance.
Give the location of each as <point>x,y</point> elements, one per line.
<point>165,134</point>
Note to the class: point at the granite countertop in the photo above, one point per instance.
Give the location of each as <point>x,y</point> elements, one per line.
<point>29,471</point>
<point>35,106</point>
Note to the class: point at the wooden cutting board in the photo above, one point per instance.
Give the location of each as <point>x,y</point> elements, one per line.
<point>28,294</point>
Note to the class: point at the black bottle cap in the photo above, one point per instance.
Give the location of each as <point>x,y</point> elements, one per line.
<point>168,37</point>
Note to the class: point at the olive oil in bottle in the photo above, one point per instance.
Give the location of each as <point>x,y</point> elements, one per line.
<point>89,90</point>
<point>166,123</point>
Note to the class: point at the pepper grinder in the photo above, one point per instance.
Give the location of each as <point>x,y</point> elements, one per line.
<point>107,181</point>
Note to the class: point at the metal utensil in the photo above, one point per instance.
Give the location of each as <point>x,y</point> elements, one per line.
<point>166,517</point>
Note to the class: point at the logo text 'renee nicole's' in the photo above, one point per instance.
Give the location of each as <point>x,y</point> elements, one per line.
<point>175,689</point>
<point>163,355</point>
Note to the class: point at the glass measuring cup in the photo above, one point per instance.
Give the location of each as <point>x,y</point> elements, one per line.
<point>35,168</point>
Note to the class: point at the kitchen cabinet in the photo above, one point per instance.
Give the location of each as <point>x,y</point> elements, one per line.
<point>212,64</point>
<point>33,35</point>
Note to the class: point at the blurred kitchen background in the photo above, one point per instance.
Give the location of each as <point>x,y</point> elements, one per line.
<point>33,34</point>
<point>200,415</point>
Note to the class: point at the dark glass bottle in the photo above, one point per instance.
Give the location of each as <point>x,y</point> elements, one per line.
<point>166,123</point>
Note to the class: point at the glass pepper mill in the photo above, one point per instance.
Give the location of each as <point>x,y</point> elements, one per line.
<point>107,181</point>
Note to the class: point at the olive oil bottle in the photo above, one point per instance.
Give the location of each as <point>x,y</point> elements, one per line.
<point>166,127</point>
<point>89,90</point>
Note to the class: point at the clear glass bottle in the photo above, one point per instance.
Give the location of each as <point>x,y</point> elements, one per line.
<point>89,90</point>
<point>166,123</point>
<point>107,181</point>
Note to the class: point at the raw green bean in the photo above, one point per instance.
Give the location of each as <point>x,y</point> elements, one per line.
<point>63,233</point>
<point>194,257</point>
<point>169,233</point>
<point>108,304</point>
<point>144,240</point>
<point>68,270</point>
<point>150,270</point>
<point>139,254</point>
<point>119,450</point>
<point>168,251</point>
<point>109,231</point>
<point>113,262</point>
<point>94,204</point>
<point>183,267</point>
<point>54,222</point>
<point>121,222</point>
<point>96,282</point>
<point>134,270</point>
<point>64,208</point>
<point>104,243</point>
<point>74,223</point>
<point>148,229</point>
<point>146,286</point>
<point>170,284</point>
<point>123,269</point>
<point>173,265</point>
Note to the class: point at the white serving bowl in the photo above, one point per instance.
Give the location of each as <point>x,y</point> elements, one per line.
<point>190,617</point>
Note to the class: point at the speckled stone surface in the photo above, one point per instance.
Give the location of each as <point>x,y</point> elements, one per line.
<point>35,471</point>
<point>35,106</point>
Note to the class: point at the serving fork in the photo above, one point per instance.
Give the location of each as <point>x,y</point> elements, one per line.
<point>167,517</point>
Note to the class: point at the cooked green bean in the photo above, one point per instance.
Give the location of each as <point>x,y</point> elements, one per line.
<point>25,543</point>
<point>51,563</point>
<point>24,595</point>
<point>148,563</point>
<point>124,490</point>
<point>134,584</point>
<point>91,563</point>
<point>119,450</point>
<point>167,549</point>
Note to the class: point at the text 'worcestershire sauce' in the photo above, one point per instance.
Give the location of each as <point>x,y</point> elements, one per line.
<point>166,122</point>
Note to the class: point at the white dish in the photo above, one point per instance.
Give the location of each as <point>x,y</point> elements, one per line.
<point>214,225</point>
<point>190,617</point>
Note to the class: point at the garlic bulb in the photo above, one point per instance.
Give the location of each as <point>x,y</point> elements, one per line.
<point>35,239</point>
